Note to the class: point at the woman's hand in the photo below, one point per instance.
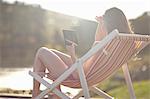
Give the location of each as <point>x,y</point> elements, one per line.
<point>100,20</point>
<point>71,49</point>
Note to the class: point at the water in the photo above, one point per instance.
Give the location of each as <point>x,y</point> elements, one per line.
<point>16,79</point>
<point>19,79</point>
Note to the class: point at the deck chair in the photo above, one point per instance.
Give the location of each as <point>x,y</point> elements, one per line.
<point>113,52</point>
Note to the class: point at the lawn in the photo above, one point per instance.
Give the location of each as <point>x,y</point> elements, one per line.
<point>142,91</point>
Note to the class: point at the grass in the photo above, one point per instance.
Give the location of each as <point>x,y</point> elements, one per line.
<point>142,91</point>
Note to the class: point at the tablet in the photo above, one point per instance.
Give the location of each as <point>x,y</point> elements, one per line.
<point>70,36</point>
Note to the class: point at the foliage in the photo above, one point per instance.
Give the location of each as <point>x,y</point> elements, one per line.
<point>24,28</point>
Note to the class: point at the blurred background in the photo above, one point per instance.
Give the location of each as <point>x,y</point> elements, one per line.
<point>26,25</point>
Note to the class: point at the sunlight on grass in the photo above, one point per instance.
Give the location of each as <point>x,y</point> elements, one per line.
<point>142,91</point>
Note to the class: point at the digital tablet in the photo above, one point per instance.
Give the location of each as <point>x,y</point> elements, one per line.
<point>70,36</point>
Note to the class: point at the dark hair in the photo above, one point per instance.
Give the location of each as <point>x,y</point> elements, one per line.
<point>114,18</point>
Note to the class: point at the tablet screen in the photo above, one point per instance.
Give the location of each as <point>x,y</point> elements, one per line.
<point>70,35</point>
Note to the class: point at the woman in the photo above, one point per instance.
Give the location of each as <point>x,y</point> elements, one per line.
<point>57,62</point>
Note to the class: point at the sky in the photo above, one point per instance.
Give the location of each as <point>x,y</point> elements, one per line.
<point>88,9</point>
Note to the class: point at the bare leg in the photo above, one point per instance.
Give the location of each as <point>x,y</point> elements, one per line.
<point>66,58</point>
<point>37,67</point>
<point>46,58</point>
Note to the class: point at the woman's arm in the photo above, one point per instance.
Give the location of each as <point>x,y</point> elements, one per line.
<point>71,50</point>
<point>101,31</point>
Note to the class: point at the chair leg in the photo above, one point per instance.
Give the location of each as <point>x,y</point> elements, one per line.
<point>57,81</point>
<point>42,94</point>
<point>95,90</point>
<point>128,81</point>
<point>83,80</point>
<point>100,93</point>
<point>78,95</point>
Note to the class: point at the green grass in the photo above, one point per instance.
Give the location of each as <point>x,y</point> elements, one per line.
<point>142,91</point>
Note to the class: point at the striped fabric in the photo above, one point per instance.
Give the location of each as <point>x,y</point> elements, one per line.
<point>111,58</point>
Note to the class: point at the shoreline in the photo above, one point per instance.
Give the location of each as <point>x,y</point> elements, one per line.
<point>13,96</point>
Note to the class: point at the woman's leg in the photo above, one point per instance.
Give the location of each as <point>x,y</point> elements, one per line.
<point>67,60</point>
<point>65,57</point>
<point>46,58</point>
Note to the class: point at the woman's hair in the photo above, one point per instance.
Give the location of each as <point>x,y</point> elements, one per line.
<point>114,18</point>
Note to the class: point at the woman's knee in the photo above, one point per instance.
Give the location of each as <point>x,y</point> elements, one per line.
<point>44,50</point>
<point>41,51</point>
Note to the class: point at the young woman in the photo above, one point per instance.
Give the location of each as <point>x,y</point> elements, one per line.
<point>57,62</point>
